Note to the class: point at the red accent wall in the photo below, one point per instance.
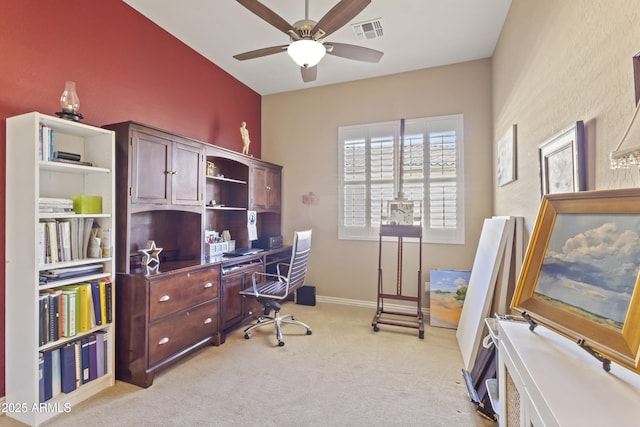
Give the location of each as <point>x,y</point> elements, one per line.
<point>125,68</point>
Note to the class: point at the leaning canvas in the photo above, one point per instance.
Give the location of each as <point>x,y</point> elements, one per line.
<point>447,290</point>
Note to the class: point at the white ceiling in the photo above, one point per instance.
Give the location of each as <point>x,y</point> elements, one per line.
<point>417,34</point>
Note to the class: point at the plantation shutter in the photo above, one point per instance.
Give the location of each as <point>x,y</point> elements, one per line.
<point>431,168</point>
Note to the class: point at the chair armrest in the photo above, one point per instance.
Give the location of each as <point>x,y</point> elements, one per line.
<point>278,268</point>
<point>265,275</point>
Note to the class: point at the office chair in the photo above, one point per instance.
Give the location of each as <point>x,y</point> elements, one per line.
<point>271,289</point>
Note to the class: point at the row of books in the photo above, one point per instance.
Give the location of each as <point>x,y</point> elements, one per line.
<point>47,151</point>
<point>69,310</point>
<point>64,240</point>
<point>46,142</point>
<point>66,368</point>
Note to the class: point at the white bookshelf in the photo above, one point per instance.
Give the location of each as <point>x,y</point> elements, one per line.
<point>27,179</point>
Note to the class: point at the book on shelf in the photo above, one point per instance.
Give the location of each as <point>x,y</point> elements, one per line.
<point>43,325</point>
<point>77,348</point>
<point>66,155</point>
<point>42,244</point>
<point>52,241</point>
<point>46,142</point>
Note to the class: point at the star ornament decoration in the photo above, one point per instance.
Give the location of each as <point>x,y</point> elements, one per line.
<point>150,254</point>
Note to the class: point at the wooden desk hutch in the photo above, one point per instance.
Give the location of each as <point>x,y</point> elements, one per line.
<point>164,194</point>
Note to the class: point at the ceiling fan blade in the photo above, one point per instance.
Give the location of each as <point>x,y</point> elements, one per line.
<point>338,16</point>
<point>268,15</point>
<point>261,52</point>
<point>309,74</point>
<point>357,53</point>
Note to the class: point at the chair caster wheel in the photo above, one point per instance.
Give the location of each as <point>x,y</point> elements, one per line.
<point>308,331</point>
<point>247,336</point>
<point>376,329</point>
<point>280,343</point>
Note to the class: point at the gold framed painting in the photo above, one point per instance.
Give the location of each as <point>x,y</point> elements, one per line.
<point>580,273</point>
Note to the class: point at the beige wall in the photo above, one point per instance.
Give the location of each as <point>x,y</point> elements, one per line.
<point>558,62</point>
<point>300,131</point>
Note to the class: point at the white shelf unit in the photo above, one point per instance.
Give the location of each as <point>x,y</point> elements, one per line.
<point>547,380</point>
<point>27,179</point>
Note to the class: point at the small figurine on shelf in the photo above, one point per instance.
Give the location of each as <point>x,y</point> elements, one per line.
<point>150,255</point>
<point>244,133</point>
<point>70,103</point>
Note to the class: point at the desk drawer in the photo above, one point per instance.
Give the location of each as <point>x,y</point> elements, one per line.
<point>170,295</point>
<point>172,335</point>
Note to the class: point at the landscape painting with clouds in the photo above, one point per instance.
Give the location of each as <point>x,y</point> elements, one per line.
<point>591,266</point>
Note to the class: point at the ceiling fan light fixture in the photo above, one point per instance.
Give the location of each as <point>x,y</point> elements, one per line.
<point>306,53</point>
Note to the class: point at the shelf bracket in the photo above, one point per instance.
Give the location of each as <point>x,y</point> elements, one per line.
<point>532,323</point>
<point>606,363</point>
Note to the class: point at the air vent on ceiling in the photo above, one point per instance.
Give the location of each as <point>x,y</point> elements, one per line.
<point>368,30</point>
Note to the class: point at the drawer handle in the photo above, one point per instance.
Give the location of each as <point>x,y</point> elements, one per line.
<point>208,285</point>
<point>208,320</point>
<point>164,298</point>
<point>163,341</point>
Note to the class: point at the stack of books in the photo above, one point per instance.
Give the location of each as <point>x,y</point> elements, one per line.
<point>55,205</point>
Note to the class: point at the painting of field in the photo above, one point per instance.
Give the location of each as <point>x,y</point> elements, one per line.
<point>447,291</point>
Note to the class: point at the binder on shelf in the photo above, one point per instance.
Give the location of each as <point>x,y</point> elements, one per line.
<point>48,376</point>
<point>41,377</point>
<point>93,357</point>
<point>84,343</point>
<point>70,302</point>
<point>108,292</point>
<point>68,368</point>
<point>86,308</point>
<point>55,320</point>
<point>55,372</point>
<point>68,272</point>
<point>101,353</point>
<point>103,301</point>
<point>95,299</point>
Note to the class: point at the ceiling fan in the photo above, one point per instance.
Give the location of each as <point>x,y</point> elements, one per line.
<point>307,46</point>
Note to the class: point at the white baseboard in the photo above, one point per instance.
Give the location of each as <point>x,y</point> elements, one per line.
<point>371,304</point>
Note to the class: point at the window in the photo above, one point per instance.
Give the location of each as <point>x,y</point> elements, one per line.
<point>430,174</point>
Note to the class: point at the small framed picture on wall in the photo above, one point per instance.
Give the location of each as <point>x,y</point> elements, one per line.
<point>562,168</point>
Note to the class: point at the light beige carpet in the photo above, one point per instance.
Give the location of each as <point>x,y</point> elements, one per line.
<point>345,374</point>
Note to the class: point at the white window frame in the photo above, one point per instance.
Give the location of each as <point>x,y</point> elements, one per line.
<point>366,133</point>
